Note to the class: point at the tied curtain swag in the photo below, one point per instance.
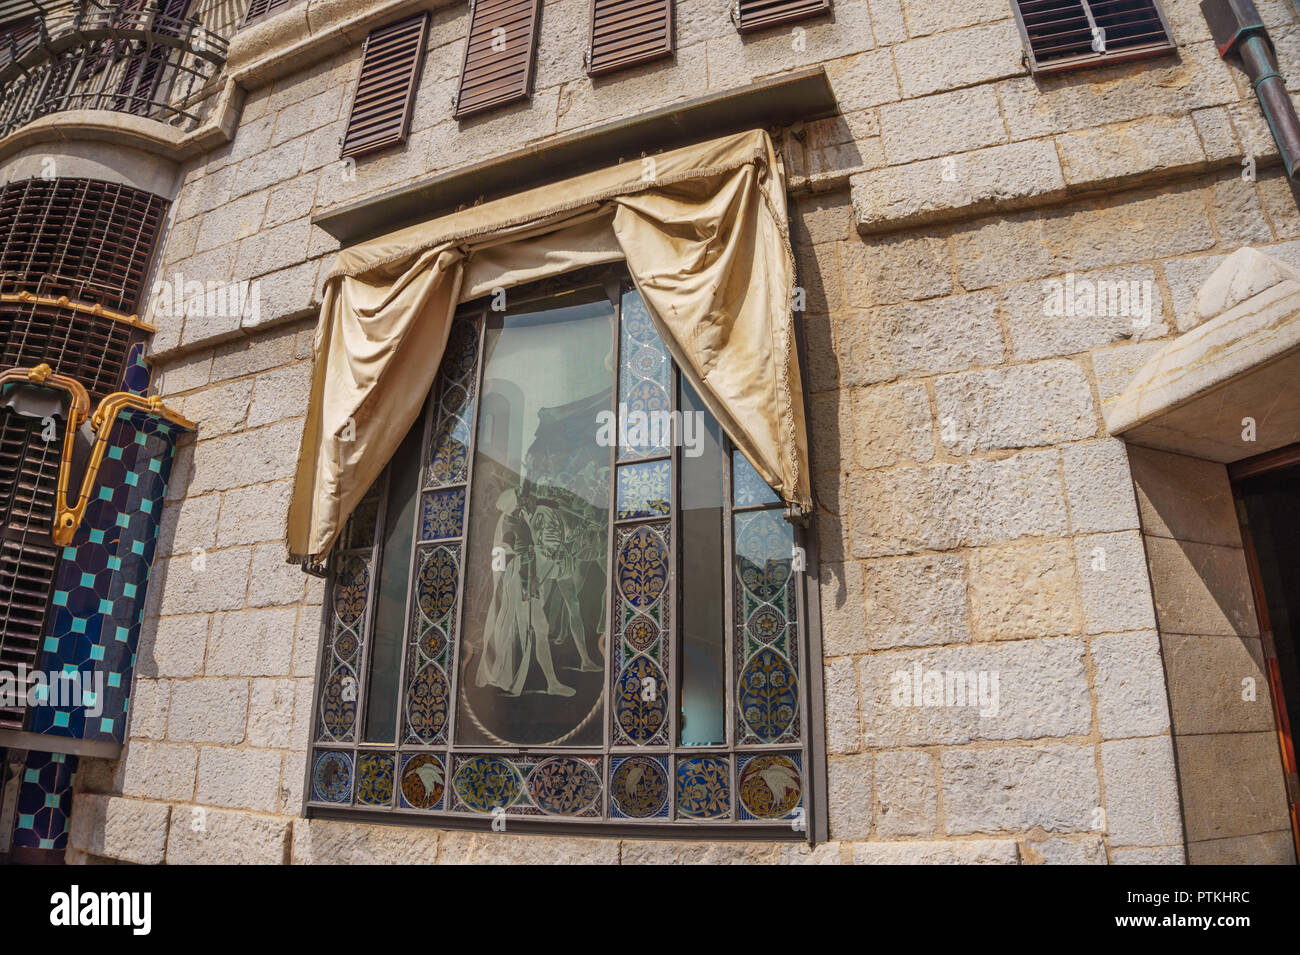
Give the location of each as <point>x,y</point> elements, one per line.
<point>704,233</point>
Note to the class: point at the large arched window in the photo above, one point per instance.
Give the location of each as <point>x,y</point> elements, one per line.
<point>568,600</point>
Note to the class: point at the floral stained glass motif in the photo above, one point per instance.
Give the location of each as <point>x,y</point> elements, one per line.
<point>644,490</point>
<point>375,779</point>
<point>644,382</point>
<point>530,785</point>
<point>486,783</point>
<point>427,700</point>
<point>442,514</point>
<point>332,778</point>
<point>565,785</point>
<point>704,787</point>
<point>766,615</point>
<point>348,601</point>
<point>453,417</point>
<point>641,692</point>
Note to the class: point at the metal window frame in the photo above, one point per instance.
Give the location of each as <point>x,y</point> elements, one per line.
<point>614,281</point>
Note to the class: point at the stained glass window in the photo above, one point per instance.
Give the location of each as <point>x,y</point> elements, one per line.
<point>569,598</point>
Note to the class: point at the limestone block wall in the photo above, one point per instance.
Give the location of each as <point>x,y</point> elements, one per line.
<point>973,514</point>
<point>1229,766</point>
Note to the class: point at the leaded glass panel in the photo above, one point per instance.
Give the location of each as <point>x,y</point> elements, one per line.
<point>569,599</point>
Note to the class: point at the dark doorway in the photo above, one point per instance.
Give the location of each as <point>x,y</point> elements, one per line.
<point>1267,491</point>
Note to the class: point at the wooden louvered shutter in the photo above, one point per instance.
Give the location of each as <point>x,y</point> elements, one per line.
<point>390,69</point>
<point>1068,34</point>
<point>261,9</point>
<point>752,15</point>
<point>498,64</point>
<point>627,32</point>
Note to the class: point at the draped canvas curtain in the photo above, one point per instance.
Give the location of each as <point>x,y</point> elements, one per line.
<point>704,233</point>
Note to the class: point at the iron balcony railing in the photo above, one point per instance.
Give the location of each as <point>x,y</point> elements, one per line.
<point>108,56</point>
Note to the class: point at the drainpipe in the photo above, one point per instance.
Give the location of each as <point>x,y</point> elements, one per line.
<point>1241,36</point>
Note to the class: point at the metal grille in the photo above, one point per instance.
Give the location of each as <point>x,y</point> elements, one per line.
<point>498,65</point>
<point>91,241</point>
<point>93,349</point>
<point>752,15</point>
<point>390,67</point>
<point>627,32</point>
<point>29,469</point>
<point>138,56</point>
<point>1066,34</point>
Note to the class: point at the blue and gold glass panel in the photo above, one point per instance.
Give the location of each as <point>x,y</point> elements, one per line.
<point>442,514</point>
<point>331,777</point>
<point>375,780</point>
<point>643,658</point>
<point>644,490</point>
<point>639,787</point>
<point>427,700</point>
<point>644,382</point>
<point>453,418</point>
<point>532,785</point>
<point>769,786</point>
<point>766,620</point>
<point>703,787</point>
<point>349,596</point>
<point>423,781</point>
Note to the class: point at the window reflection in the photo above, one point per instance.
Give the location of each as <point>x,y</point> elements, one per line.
<point>533,650</point>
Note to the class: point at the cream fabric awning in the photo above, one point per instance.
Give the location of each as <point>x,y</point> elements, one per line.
<point>704,232</point>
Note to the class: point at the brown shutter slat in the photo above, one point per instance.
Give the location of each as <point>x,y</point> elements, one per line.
<point>261,9</point>
<point>491,78</point>
<point>1058,34</point>
<point>752,15</point>
<point>628,32</point>
<point>390,70</point>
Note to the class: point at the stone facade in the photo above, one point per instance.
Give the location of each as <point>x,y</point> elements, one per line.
<point>974,515</point>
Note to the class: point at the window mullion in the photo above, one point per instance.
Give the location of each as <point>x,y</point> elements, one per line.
<point>728,590</point>
<point>367,627</point>
<point>611,569</point>
<point>673,641</point>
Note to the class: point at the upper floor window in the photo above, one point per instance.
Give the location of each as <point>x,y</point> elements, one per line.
<point>259,10</point>
<point>568,598</point>
<point>1070,34</point>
